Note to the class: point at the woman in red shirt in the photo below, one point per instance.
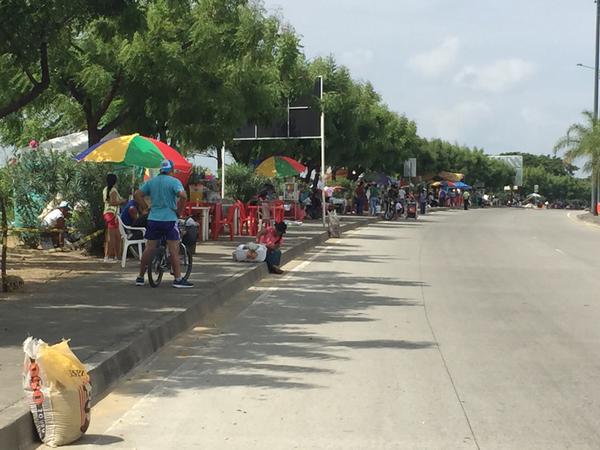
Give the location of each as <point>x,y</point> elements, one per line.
<point>272,238</point>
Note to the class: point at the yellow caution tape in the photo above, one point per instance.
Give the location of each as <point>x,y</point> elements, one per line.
<point>77,243</point>
<point>89,237</point>
<point>36,230</point>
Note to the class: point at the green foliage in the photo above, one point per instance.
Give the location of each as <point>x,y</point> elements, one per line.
<point>582,141</point>
<point>31,34</point>
<point>241,183</point>
<point>52,114</point>
<point>191,72</point>
<point>437,155</point>
<point>551,164</point>
<point>556,188</point>
<point>38,176</point>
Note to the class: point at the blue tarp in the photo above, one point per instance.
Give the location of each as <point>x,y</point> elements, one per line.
<point>461,185</point>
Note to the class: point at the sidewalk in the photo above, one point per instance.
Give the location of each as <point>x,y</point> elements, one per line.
<point>113,324</point>
<point>589,218</point>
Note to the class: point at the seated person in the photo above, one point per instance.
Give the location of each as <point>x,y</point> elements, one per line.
<point>51,205</point>
<point>54,223</point>
<point>272,238</point>
<point>251,252</point>
<point>133,216</point>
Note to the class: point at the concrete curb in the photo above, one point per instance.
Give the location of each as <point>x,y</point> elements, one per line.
<point>589,218</point>
<point>108,366</point>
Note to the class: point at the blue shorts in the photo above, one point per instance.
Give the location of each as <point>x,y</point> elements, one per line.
<point>156,230</point>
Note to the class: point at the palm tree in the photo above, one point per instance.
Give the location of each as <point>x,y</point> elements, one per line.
<point>583,141</point>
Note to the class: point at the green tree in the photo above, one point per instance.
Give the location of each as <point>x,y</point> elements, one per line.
<point>5,189</point>
<point>551,163</point>
<point>36,30</point>
<point>582,140</point>
<point>241,182</point>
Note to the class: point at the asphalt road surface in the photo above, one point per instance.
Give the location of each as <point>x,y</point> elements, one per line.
<point>477,329</point>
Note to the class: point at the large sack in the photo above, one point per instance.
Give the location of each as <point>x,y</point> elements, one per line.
<point>57,388</point>
<point>251,252</point>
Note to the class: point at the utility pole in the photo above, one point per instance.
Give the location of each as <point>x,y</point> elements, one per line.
<point>595,174</point>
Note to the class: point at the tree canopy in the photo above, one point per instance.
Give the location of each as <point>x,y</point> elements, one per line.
<point>191,72</point>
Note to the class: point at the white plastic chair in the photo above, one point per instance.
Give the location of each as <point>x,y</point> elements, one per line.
<point>123,229</point>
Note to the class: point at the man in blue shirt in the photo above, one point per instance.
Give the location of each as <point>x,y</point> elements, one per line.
<point>168,198</point>
<point>133,216</point>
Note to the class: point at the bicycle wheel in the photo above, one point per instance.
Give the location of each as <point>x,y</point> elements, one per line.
<point>185,261</point>
<point>156,267</point>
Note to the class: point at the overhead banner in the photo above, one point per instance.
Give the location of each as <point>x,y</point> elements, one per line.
<point>410,168</point>
<point>303,120</point>
<point>516,163</point>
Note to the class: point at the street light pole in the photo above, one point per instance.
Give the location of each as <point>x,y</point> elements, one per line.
<point>594,209</point>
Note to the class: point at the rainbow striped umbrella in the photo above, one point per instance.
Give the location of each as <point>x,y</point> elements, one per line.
<point>279,166</point>
<point>131,150</point>
<point>136,150</point>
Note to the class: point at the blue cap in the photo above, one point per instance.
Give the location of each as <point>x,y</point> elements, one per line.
<point>166,166</point>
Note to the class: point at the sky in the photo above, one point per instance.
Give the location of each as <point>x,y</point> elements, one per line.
<point>500,75</point>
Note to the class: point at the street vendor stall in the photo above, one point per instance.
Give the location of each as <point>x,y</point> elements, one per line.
<point>288,204</point>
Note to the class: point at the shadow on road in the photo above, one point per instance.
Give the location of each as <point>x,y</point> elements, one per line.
<point>272,345</point>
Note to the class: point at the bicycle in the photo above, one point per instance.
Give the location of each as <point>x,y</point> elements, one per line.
<point>161,262</point>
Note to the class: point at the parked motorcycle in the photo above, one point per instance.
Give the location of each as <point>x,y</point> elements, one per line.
<point>388,209</point>
<point>411,210</point>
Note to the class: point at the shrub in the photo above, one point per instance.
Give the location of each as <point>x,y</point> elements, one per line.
<point>37,176</point>
<point>241,183</point>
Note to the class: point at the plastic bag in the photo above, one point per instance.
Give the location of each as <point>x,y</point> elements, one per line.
<point>251,252</point>
<point>58,390</point>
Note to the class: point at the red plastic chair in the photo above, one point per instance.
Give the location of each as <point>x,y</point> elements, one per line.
<point>277,210</point>
<point>253,213</point>
<point>220,224</point>
<point>245,220</point>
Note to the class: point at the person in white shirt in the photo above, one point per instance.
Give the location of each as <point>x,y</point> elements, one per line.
<point>402,198</point>
<point>54,223</point>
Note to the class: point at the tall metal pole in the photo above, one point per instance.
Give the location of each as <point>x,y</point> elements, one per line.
<point>323,211</point>
<point>594,208</point>
<point>223,171</point>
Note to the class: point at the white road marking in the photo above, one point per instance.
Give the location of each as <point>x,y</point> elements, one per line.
<point>559,251</point>
<point>583,222</point>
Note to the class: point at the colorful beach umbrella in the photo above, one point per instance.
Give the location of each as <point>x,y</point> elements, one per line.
<point>279,166</point>
<point>140,151</point>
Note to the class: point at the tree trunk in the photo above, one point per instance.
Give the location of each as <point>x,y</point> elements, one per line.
<point>4,243</point>
<point>93,135</point>
<point>38,87</point>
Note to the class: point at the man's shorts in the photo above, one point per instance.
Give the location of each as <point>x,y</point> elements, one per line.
<point>111,221</point>
<point>157,230</point>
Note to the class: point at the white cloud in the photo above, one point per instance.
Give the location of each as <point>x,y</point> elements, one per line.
<point>498,76</point>
<point>451,124</point>
<point>437,61</point>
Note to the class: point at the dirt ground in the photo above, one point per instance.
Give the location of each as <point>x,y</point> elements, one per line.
<point>39,267</point>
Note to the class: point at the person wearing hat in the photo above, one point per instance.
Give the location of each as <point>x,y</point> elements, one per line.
<point>54,223</point>
<point>272,238</point>
<point>168,201</point>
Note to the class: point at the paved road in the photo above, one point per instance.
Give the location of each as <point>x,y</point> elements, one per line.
<point>475,329</point>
